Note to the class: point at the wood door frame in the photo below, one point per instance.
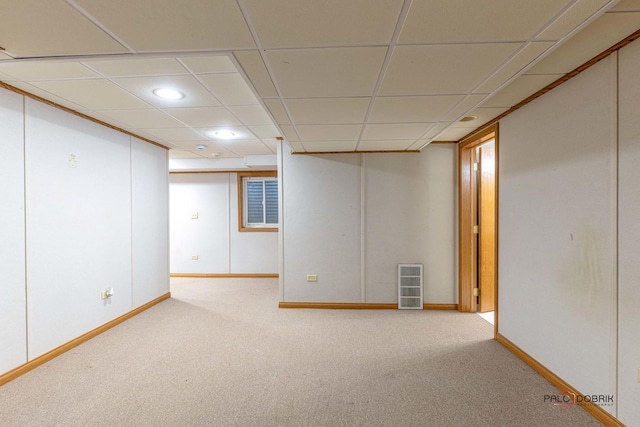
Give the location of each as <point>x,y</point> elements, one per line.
<point>466,248</point>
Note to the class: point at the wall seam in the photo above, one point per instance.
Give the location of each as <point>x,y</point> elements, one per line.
<point>363,254</point>
<point>616,334</point>
<point>24,200</point>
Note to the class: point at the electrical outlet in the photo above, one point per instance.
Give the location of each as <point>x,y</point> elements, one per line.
<point>194,215</point>
<point>194,257</point>
<point>312,277</point>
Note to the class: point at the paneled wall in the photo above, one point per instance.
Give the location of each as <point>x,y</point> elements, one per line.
<point>569,231</point>
<point>629,236</point>
<point>213,236</point>
<point>557,236</point>
<point>95,218</point>
<point>13,315</point>
<point>351,218</point>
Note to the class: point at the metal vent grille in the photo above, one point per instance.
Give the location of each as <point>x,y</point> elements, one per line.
<point>410,286</point>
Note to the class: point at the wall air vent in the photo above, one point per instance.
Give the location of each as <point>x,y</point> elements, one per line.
<point>410,286</point>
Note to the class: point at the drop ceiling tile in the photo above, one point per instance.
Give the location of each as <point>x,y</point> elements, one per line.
<point>246,147</point>
<point>435,131</point>
<point>251,115</point>
<point>603,33</point>
<point>137,67</point>
<point>521,88</point>
<point>31,28</point>
<point>175,153</point>
<point>484,114</point>
<point>98,94</point>
<point>6,77</point>
<point>440,69</point>
<point>390,132</point>
<point>296,147</point>
<point>175,134</point>
<point>192,145</point>
<point>141,119</point>
<point>46,95</point>
<point>431,21</point>
<point>572,18</point>
<point>209,64</point>
<point>230,89</point>
<point>253,65</point>
<point>289,133</point>
<point>337,72</point>
<point>330,146</point>
<point>204,116</point>
<point>391,145</point>
<point>411,109</point>
<point>469,103</point>
<point>514,66</point>
<point>240,132</point>
<point>283,23</point>
<point>173,25</point>
<point>329,132</point>
<point>271,143</point>
<point>265,131</point>
<point>46,70</point>
<point>328,110</point>
<point>195,95</point>
<point>277,111</point>
<point>626,6</point>
<point>453,134</point>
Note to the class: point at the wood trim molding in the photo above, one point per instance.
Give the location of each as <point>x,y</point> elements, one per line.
<point>440,306</point>
<point>571,74</point>
<point>226,275</point>
<point>596,411</point>
<point>339,305</point>
<point>77,113</point>
<point>240,176</point>
<point>361,305</point>
<point>40,360</point>
<point>466,250</point>
<point>315,153</point>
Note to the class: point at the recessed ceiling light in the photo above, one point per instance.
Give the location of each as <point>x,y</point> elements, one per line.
<point>224,134</point>
<point>167,93</point>
<point>468,118</point>
<point>201,147</point>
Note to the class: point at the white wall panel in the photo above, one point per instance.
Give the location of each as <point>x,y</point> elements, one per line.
<point>208,236</point>
<point>321,197</point>
<point>557,245</point>
<point>150,216</point>
<point>78,225</point>
<point>251,252</point>
<point>410,216</point>
<point>629,236</point>
<point>13,332</point>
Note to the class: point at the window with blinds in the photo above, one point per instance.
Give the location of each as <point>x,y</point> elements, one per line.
<point>259,203</point>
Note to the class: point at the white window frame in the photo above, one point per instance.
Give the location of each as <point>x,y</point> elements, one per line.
<point>243,179</point>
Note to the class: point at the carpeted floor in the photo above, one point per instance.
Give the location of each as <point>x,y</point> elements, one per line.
<point>220,353</point>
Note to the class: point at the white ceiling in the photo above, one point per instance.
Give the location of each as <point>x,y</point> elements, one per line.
<point>330,75</point>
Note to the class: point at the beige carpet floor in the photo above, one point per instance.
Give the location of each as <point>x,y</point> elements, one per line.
<point>220,353</point>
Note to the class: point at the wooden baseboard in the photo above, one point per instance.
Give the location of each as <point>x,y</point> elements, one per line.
<point>596,411</point>
<point>440,306</point>
<point>40,360</point>
<point>227,275</point>
<point>339,305</point>
<point>361,305</point>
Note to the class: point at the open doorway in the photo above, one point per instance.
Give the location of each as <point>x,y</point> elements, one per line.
<point>478,191</point>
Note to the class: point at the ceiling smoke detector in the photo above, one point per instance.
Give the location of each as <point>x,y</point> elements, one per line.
<point>201,147</point>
